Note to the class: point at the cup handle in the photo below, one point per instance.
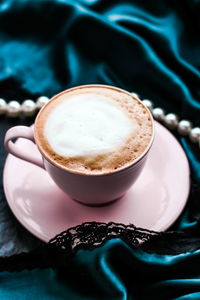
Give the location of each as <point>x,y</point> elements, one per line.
<point>18,151</point>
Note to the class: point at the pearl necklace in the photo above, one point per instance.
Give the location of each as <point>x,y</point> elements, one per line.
<point>184,127</point>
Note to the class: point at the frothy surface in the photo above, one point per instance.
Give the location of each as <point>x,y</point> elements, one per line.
<point>87,125</point>
<point>93,129</point>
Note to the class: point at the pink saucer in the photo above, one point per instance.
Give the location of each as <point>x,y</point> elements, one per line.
<point>154,202</point>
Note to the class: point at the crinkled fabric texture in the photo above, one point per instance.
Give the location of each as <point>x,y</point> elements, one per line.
<point>148,47</point>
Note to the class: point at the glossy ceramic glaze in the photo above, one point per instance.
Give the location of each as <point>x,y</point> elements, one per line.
<point>154,201</point>
<point>89,189</point>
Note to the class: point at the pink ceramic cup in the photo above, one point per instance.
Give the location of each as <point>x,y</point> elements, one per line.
<point>87,189</point>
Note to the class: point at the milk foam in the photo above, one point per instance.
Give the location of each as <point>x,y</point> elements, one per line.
<point>87,125</point>
<point>93,129</point>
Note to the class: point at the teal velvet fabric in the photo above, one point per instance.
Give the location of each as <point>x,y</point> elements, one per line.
<point>114,271</point>
<point>148,47</point>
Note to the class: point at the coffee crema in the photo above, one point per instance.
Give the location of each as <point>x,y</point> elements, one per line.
<point>93,129</point>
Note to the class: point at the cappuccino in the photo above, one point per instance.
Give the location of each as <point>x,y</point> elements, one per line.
<point>93,129</point>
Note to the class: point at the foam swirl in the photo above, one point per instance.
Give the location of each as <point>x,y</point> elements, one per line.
<point>88,125</point>
<point>93,129</point>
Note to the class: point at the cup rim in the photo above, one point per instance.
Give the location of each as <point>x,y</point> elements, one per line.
<point>124,168</point>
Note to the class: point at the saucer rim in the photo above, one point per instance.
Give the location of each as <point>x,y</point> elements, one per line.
<point>162,228</point>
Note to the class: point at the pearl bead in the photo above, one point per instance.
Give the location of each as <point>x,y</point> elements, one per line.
<point>158,114</point>
<point>184,127</point>
<point>171,121</point>
<point>148,104</point>
<point>135,95</point>
<point>41,101</point>
<point>13,109</point>
<point>195,134</point>
<point>28,107</point>
<point>3,106</point>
